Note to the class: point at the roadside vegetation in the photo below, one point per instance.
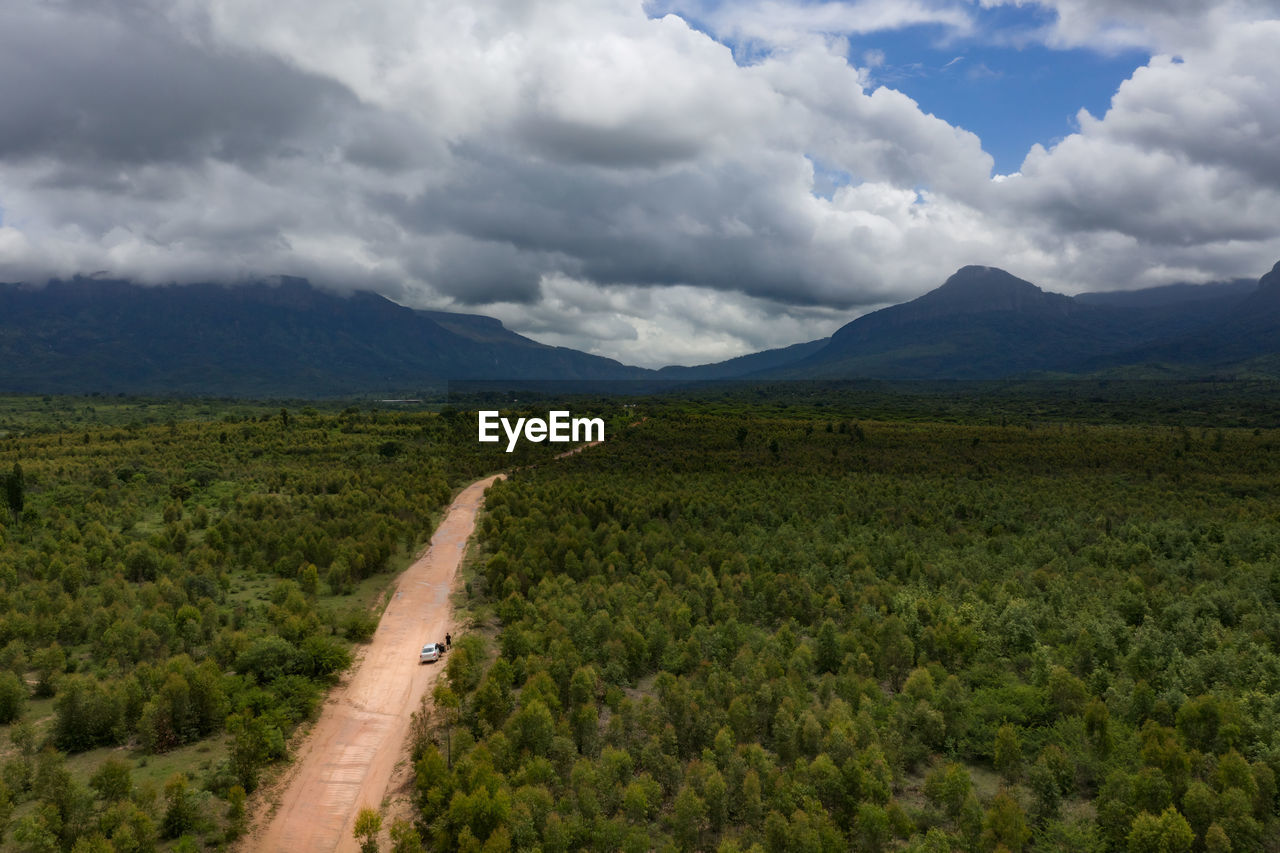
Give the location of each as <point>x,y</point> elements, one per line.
<point>819,631</point>
<point>178,588</point>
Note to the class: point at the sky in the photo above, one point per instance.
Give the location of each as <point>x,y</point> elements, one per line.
<point>661,182</point>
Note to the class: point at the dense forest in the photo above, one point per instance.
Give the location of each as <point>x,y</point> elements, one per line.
<point>179,584</point>
<point>763,621</point>
<point>802,631</point>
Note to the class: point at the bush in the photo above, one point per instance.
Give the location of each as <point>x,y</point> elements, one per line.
<point>268,658</point>
<point>358,625</point>
<point>13,697</point>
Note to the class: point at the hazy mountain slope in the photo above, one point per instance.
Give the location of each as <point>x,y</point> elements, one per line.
<point>1247,332</point>
<point>1172,294</point>
<point>744,365</point>
<point>287,338</point>
<point>984,323</point>
<point>981,323</point>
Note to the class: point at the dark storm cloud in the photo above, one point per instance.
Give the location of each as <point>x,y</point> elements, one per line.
<point>726,230</point>
<point>479,272</point>
<point>581,143</point>
<point>385,142</point>
<point>85,88</point>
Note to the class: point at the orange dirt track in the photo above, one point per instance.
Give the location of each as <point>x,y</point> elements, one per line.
<point>349,757</point>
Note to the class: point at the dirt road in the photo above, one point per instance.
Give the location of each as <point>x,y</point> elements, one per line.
<point>350,755</point>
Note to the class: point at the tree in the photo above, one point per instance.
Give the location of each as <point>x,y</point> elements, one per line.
<point>235,812</point>
<point>448,710</point>
<point>112,781</point>
<point>1005,823</point>
<point>532,728</point>
<point>95,843</point>
<point>1045,789</point>
<point>1067,694</point>
<point>1096,719</point>
<point>13,697</point>
<point>368,825</point>
<point>641,798</point>
<point>85,715</point>
<point>33,834</point>
<point>251,747</point>
<point>49,664</point>
<point>689,815</point>
<point>15,488</point>
<point>1199,806</point>
<point>829,655</point>
<point>1216,841</point>
<point>1007,752</point>
<point>1198,722</point>
<point>1114,804</point>
<point>752,802</point>
<point>180,810</point>
<point>1168,833</point>
<point>871,827</point>
<point>65,803</point>
<point>948,787</point>
<point>405,837</point>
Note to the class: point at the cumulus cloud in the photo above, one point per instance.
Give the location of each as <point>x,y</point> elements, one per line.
<point>770,23</point>
<point>610,175</point>
<point>1183,164</point>
<point>90,92</point>
<point>678,324</point>
<point>1170,25</point>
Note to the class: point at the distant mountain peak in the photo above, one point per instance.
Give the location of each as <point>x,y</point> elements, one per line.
<point>1270,283</point>
<point>1263,302</point>
<point>979,271</point>
<point>985,281</point>
<point>979,289</point>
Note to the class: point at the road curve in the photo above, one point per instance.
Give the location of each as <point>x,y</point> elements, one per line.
<point>348,759</point>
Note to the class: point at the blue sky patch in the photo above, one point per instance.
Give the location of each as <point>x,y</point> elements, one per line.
<point>1011,95</point>
<point>999,81</point>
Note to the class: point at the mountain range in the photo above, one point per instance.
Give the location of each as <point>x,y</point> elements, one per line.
<point>282,338</point>
<point>984,323</point>
<point>288,338</point>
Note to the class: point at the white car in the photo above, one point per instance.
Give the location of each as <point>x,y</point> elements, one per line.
<point>431,653</point>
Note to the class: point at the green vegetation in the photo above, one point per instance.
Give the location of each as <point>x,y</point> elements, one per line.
<point>986,621</point>
<point>176,593</point>
<point>729,631</point>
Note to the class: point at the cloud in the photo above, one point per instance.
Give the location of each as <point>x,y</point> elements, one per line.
<point>93,92</point>
<point>781,23</point>
<point>1183,162</point>
<point>676,325</point>
<point>1167,26</point>
<point>608,175</point>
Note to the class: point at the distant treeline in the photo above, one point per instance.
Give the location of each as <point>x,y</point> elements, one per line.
<point>1205,402</point>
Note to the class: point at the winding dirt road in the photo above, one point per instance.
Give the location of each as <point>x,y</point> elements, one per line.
<point>350,756</point>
